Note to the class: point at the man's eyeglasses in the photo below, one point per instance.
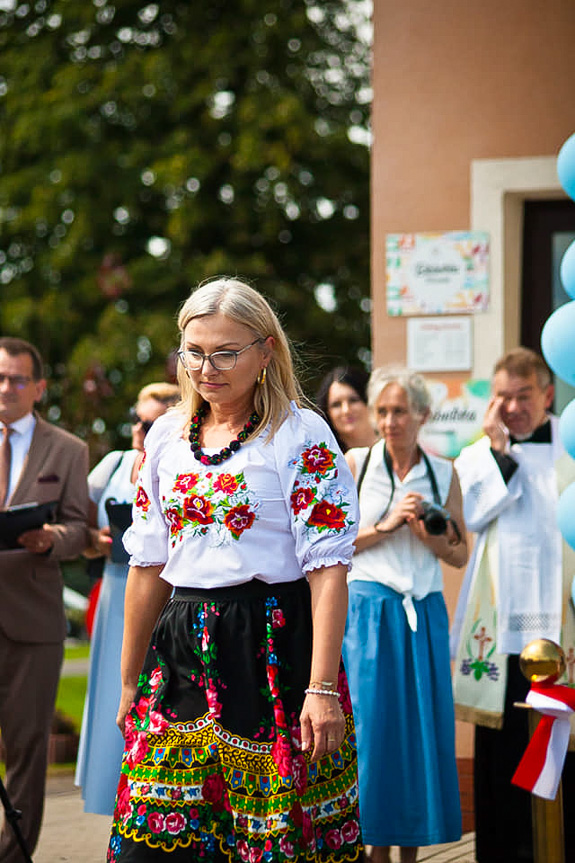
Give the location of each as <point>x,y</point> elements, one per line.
<point>19,382</point>
<point>136,420</point>
<point>221,361</point>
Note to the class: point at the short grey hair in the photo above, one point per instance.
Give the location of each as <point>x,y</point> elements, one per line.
<point>418,394</point>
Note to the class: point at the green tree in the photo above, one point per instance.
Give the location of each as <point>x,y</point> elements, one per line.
<point>145,148</point>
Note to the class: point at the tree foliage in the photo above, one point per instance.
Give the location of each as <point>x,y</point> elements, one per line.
<point>146,148</point>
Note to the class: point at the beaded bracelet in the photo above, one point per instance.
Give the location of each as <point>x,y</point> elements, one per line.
<point>311,691</point>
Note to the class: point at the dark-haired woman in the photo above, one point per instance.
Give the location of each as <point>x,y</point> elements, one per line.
<point>342,400</point>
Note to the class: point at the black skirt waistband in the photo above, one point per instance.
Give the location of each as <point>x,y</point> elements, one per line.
<point>254,589</point>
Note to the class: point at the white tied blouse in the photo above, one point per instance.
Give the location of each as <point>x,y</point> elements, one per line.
<point>400,561</point>
<point>273,511</point>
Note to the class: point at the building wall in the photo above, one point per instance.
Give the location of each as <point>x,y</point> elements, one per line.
<point>457,82</point>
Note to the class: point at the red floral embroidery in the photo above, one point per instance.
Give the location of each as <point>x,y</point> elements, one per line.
<point>139,749</point>
<point>158,723</point>
<point>299,768</point>
<point>238,519</point>
<point>350,831</point>
<point>156,822</point>
<point>226,483</point>
<point>279,714</point>
<point>296,813</point>
<point>155,679</point>
<point>214,705</point>
<point>175,520</point>
<point>333,839</point>
<point>302,819</point>
<point>328,515</point>
<point>286,847</point>
<point>185,482</point>
<point>175,823</point>
<point>243,849</point>
<point>141,708</point>
<point>318,459</point>
<point>142,499</point>
<point>301,499</point>
<point>123,797</point>
<point>197,508</point>
<point>278,619</point>
<point>273,674</point>
<point>214,791</point>
<point>343,689</point>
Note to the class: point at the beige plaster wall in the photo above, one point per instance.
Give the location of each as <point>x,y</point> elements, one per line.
<point>456,82</point>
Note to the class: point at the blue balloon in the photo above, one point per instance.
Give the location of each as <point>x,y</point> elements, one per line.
<point>567,428</point>
<point>566,166</point>
<point>558,342</point>
<point>567,270</point>
<point>566,514</point>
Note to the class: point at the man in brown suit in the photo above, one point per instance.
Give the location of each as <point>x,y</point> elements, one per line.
<point>38,463</point>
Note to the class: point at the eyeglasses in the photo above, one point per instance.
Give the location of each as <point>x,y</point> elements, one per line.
<point>221,361</point>
<point>19,382</point>
<point>136,420</point>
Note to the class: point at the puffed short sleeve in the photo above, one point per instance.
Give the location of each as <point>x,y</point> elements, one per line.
<point>146,541</point>
<point>319,491</point>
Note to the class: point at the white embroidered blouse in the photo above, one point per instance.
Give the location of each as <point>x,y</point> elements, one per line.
<point>273,511</point>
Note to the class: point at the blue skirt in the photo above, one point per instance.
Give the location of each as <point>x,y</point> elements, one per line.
<point>400,686</point>
<point>101,743</point>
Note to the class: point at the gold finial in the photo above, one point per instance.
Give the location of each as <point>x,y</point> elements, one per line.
<point>542,661</point>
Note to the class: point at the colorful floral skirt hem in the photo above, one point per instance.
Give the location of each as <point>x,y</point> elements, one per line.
<point>213,768</point>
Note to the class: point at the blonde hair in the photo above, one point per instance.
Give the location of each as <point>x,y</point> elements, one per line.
<point>244,305</point>
<point>167,394</point>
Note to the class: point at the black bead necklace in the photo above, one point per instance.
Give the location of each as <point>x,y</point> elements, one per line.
<point>227,451</point>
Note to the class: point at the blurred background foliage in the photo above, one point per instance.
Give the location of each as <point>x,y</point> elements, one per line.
<point>144,148</point>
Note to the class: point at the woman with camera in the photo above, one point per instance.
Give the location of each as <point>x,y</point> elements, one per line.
<point>396,642</point>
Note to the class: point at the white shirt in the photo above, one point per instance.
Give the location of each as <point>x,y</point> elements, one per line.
<point>273,511</point>
<point>529,558</point>
<point>401,561</point>
<point>20,440</point>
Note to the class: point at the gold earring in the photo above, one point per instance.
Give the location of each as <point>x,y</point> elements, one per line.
<point>261,378</point>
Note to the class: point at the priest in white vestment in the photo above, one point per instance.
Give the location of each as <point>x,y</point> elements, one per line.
<point>516,589</point>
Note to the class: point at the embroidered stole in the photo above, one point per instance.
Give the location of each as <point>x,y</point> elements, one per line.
<point>480,673</point>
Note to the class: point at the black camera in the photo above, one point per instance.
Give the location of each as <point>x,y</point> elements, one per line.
<point>434,518</point>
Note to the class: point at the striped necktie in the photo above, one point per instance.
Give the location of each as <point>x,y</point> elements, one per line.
<point>5,462</point>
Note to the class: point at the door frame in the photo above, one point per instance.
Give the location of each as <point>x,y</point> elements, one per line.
<point>499,188</point>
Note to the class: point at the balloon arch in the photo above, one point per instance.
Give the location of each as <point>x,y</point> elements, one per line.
<point>558,344</point>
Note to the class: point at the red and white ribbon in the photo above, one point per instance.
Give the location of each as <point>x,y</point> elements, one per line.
<point>540,768</point>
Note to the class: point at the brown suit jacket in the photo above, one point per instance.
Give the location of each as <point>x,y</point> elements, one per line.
<point>31,603</point>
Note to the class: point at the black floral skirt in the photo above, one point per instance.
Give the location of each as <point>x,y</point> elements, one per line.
<point>213,767</point>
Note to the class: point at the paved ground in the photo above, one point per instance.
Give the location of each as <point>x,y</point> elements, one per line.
<point>71,836</point>
<point>75,667</point>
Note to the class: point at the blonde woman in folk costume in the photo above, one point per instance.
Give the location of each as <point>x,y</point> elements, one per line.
<point>238,727</point>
